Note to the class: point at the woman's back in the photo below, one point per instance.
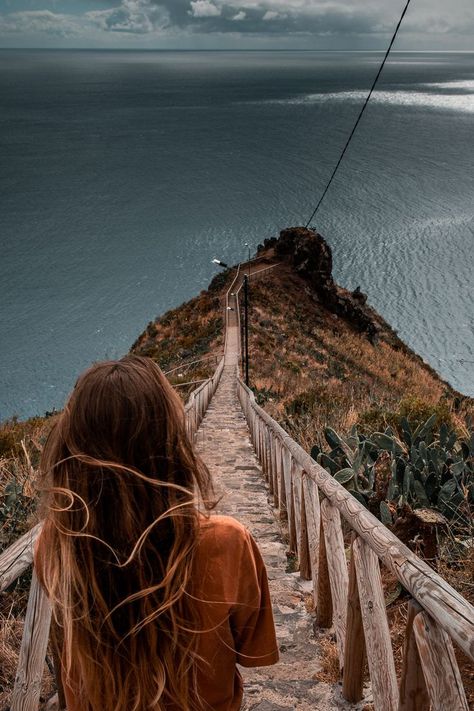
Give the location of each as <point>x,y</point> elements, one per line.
<point>157,601</point>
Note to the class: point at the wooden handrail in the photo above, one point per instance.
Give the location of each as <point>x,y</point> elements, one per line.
<point>454,614</point>
<point>354,600</point>
<point>199,400</point>
<point>16,559</point>
<point>188,364</point>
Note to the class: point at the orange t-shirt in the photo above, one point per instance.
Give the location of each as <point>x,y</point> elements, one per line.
<point>230,577</point>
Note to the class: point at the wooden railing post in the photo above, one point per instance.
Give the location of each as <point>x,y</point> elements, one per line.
<point>266,438</point>
<point>281,481</point>
<point>26,692</point>
<point>258,437</point>
<point>313,525</point>
<point>354,647</point>
<point>376,630</point>
<point>275,478</point>
<point>290,510</point>
<point>269,467</point>
<point>303,544</point>
<point>323,597</point>
<point>439,665</point>
<point>253,428</point>
<point>413,693</point>
<point>337,567</point>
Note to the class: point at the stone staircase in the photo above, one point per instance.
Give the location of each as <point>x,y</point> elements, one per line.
<point>223,441</point>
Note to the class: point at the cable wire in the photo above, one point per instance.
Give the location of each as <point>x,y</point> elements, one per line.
<point>360,114</point>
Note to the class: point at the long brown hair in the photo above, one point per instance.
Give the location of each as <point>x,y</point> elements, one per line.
<point>121,526</point>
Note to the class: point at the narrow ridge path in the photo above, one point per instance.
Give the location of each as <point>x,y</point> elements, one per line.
<point>223,441</point>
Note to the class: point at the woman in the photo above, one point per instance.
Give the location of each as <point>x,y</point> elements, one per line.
<point>156,600</point>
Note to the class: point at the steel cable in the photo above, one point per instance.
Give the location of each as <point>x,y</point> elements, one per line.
<point>360,114</point>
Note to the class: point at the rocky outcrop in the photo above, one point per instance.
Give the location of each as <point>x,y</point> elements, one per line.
<point>310,256</point>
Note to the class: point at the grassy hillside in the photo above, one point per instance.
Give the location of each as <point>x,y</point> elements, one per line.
<point>188,341</point>
<point>311,368</point>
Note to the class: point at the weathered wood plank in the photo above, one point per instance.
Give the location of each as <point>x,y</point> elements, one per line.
<point>264,455</point>
<point>376,630</point>
<point>413,693</point>
<point>439,665</point>
<point>313,524</point>
<point>16,559</point>
<point>57,645</point>
<point>337,567</point>
<point>26,692</point>
<point>303,544</point>
<point>269,456</point>
<point>300,521</point>
<point>268,470</point>
<point>259,438</point>
<point>289,498</point>
<point>281,481</point>
<point>276,493</point>
<point>296,503</point>
<point>324,599</point>
<point>354,647</point>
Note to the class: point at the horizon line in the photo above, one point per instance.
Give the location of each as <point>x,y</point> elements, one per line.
<point>227,49</point>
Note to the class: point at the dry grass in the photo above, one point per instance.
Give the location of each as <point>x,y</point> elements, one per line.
<point>310,369</point>
<point>329,657</point>
<point>18,476</point>
<point>22,443</point>
<point>189,332</point>
<point>10,642</point>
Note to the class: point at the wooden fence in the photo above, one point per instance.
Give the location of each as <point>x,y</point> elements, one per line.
<point>350,595</point>
<point>199,400</point>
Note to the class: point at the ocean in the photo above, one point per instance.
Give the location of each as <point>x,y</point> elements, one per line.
<point>123,174</point>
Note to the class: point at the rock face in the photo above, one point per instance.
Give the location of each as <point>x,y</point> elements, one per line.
<point>310,256</point>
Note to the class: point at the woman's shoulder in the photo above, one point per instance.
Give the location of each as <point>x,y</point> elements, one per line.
<point>222,525</point>
<point>223,531</point>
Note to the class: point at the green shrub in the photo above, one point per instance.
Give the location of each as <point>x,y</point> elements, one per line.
<point>422,466</point>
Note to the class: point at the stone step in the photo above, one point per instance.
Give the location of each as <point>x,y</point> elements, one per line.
<point>223,441</point>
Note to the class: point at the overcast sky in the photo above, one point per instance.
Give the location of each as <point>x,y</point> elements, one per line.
<point>221,24</point>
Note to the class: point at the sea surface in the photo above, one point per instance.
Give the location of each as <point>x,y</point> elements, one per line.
<point>123,174</point>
